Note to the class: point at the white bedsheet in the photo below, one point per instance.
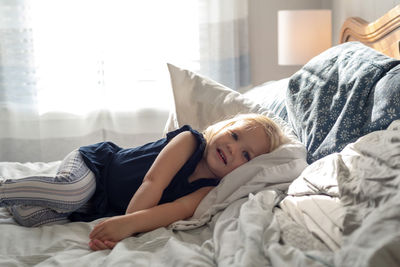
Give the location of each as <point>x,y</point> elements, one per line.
<point>247,232</point>
<point>194,242</point>
<point>322,215</point>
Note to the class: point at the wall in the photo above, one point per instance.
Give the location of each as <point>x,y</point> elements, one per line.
<point>263,29</point>
<point>369,10</point>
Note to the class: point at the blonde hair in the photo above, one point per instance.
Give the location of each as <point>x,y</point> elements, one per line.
<point>273,131</point>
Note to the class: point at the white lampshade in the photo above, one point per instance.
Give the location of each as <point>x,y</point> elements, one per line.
<point>303,34</point>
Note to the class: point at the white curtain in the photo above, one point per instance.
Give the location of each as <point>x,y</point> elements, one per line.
<point>76,72</point>
<point>224,42</point>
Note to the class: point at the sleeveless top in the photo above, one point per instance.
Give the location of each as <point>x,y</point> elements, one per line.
<point>119,173</point>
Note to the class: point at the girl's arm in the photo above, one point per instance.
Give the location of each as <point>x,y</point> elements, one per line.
<point>170,160</point>
<point>117,228</point>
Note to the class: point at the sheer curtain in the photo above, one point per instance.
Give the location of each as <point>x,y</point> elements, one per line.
<point>76,72</point>
<point>224,42</point>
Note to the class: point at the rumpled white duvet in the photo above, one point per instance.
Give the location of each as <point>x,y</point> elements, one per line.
<point>238,223</point>
<point>190,242</point>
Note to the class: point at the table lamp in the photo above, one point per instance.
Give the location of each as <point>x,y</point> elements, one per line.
<point>303,34</point>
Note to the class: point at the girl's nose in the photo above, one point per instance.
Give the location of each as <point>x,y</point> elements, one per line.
<point>233,148</point>
<point>235,151</point>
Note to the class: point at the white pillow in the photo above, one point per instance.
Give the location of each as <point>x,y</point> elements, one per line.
<point>200,102</point>
<point>271,95</point>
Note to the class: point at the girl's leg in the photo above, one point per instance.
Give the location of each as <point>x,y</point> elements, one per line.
<point>31,216</point>
<point>73,185</point>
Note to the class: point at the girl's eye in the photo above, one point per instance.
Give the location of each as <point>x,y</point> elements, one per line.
<point>234,135</point>
<point>246,155</point>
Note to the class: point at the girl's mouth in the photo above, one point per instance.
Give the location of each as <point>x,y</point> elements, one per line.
<point>221,155</point>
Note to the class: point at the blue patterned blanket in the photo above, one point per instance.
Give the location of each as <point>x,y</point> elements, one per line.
<point>342,94</point>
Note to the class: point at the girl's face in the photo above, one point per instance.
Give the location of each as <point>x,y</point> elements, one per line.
<point>234,146</point>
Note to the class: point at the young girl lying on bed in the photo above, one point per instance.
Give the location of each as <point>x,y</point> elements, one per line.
<point>140,188</point>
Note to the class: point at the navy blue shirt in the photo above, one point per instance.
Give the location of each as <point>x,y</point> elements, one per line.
<point>119,173</point>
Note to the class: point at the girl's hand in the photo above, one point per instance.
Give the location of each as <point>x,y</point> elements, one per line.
<point>113,229</point>
<point>96,244</point>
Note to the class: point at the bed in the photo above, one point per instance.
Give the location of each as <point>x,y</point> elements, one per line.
<point>329,197</point>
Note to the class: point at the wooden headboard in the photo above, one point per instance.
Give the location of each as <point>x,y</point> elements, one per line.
<point>382,34</point>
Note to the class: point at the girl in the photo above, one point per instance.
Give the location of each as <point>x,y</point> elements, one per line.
<point>140,188</point>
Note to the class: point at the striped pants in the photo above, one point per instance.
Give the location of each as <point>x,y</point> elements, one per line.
<point>39,200</point>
